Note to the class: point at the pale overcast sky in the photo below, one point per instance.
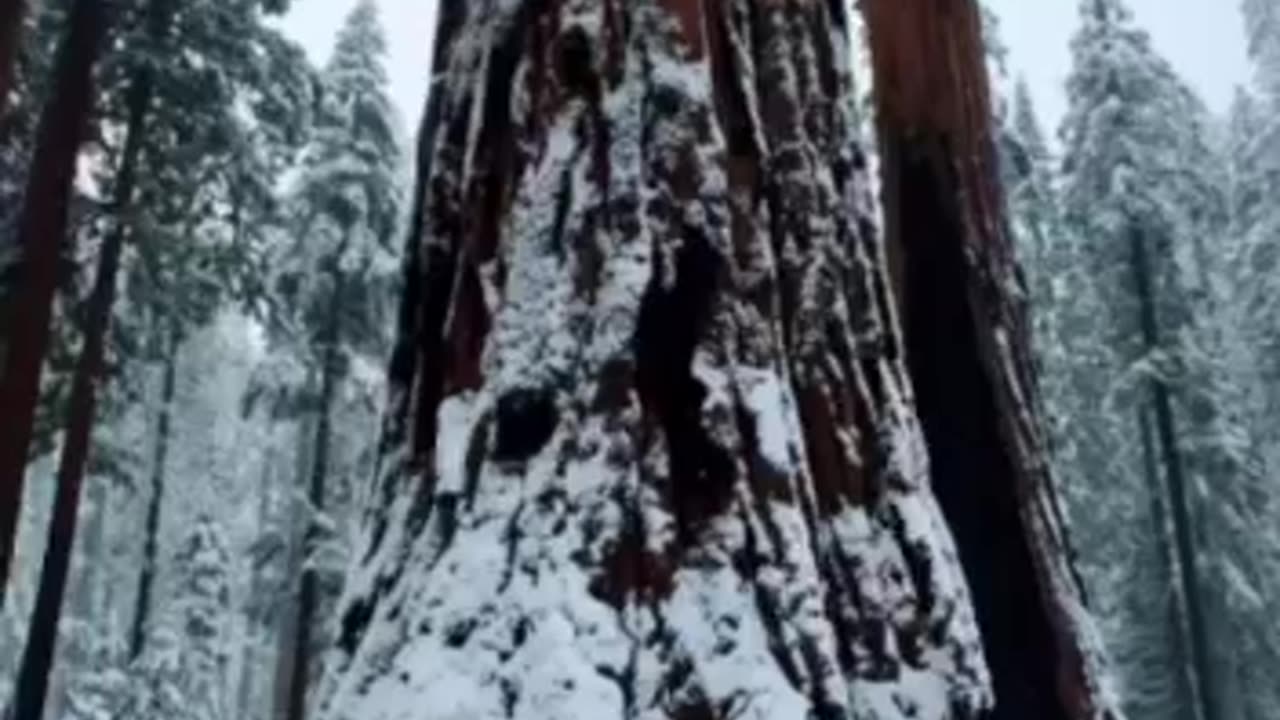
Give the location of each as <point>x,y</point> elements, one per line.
<point>1203,38</point>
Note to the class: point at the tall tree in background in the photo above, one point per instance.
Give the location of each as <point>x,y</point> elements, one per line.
<point>652,447</point>
<point>41,235</point>
<point>1112,136</point>
<point>1255,159</point>
<point>37,658</point>
<point>183,674</point>
<point>224,121</point>
<point>337,277</point>
<point>156,130</point>
<point>203,612</point>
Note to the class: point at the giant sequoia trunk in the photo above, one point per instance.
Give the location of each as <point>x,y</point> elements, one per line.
<point>41,234</point>
<point>37,659</point>
<point>652,451</point>
<point>967,340</point>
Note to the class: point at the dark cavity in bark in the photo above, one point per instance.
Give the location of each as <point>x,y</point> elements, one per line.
<point>701,474</point>
<point>526,420</point>
<point>972,476</point>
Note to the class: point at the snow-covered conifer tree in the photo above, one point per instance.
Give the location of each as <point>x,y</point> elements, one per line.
<point>337,277</point>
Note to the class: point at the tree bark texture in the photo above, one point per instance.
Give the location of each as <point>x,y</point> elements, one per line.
<point>968,347</point>
<point>41,235</point>
<point>651,449</point>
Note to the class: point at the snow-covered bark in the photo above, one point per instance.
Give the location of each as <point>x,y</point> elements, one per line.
<point>651,450</point>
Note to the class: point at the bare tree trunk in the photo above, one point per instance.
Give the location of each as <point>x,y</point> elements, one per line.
<point>159,465</point>
<point>651,448</point>
<point>33,676</point>
<point>12,15</point>
<point>1184,546</point>
<point>967,341</point>
<point>41,235</point>
<point>296,526</point>
<point>309,593</point>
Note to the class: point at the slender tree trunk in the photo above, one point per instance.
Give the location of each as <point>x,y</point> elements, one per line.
<point>309,595</point>
<point>967,342</point>
<point>1184,545</point>
<point>33,676</point>
<point>41,235</point>
<point>303,458</point>
<point>159,465</point>
<point>12,15</point>
<point>651,448</point>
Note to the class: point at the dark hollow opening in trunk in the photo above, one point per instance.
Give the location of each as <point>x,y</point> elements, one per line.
<point>526,421</point>
<point>973,477</point>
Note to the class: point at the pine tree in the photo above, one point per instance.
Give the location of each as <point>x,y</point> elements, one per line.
<point>182,673</point>
<point>231,113</point>
<point>1143,206</point>
<point>163,121</point>
<point>651,448</point>
<point>1255,159</point>
<point>339,274</point>
<point>203,611</point>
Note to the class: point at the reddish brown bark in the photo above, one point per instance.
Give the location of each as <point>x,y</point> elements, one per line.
<point>672,197</point>
<point>41,235</point>
<point>968,351</point>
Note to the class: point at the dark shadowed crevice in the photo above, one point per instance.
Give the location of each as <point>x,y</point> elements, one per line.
<point>525,421</point>
<point>973,478</point>
<point>353,623</point>
<point>670,324</point>
<point>440,256</point>
<point>477,449</point>
<point>574,63</point>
